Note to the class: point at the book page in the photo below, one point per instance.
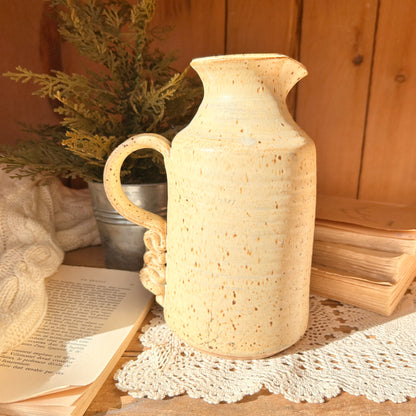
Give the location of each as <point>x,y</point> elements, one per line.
<point>90,312</point>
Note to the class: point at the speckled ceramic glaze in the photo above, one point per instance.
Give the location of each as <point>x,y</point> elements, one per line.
<point>241,208</point>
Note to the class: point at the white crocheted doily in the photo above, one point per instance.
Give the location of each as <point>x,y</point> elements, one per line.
<point>344,348</point>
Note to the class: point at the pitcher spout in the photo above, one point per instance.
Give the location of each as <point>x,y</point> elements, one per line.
<point>291,72</point>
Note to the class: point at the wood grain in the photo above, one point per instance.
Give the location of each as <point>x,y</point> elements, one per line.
<point>336,48</point>
<point>198,28</point>
<point>262,403</point>
<point>363,135</point>
<point>272,28</point>
<point>389,169</point>
<point>22,39</point>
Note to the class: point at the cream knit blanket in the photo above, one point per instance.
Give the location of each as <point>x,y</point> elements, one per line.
<point>38,223</point>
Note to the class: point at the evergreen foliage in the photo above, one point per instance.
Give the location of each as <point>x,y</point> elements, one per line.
<point>136,91</point>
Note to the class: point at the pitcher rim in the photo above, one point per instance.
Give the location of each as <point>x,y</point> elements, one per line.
<point>240,57</point>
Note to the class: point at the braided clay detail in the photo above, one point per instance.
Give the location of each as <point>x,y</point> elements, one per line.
<point>153,274</point>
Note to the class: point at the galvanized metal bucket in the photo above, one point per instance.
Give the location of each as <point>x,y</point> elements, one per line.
<point>122,240</point>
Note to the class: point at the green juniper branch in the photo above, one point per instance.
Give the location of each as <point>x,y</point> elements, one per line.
<point>136,91</point>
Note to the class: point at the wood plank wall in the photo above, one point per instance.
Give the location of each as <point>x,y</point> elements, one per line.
<point>358,102</point>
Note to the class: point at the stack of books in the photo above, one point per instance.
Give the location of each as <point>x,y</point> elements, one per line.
<point>364,252</point>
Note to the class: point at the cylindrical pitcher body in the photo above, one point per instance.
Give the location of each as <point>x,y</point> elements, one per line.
<point>241,210</point>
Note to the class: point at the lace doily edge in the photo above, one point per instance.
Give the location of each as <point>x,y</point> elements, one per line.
<point>329,392</point>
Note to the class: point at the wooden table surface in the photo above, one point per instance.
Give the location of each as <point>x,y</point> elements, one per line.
<point>111,401</point>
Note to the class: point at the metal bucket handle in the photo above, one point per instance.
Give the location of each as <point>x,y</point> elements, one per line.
<point>153,274</point>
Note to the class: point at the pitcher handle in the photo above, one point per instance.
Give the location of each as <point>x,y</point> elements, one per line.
<point>153,274</point>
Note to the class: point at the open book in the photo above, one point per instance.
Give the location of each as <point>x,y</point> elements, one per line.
<point>93,314</point>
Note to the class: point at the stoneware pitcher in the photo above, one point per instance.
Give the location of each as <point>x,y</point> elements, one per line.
<point>232,264</point>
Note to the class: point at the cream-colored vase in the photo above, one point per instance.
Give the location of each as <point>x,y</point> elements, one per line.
<point>241,210</point>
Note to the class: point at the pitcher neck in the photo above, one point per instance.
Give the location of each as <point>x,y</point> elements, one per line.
<point>265,77</point>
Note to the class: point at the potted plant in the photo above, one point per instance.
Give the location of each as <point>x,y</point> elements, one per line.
<point>135,90</point>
